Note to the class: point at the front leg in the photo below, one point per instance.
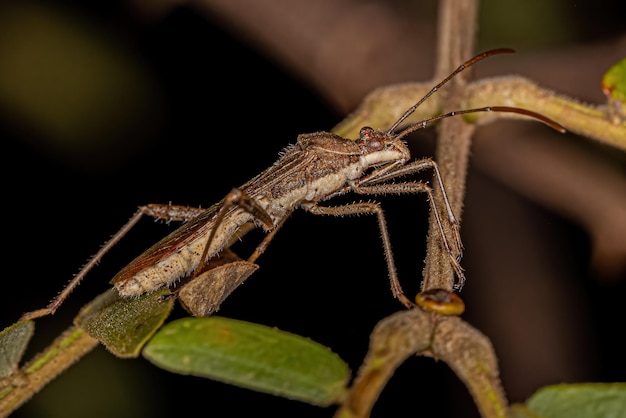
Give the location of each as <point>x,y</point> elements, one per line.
<point>414,188</point>
<point>363,208</point>
<point>382,175</point>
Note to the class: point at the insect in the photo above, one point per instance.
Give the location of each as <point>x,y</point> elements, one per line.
<point>318,167</point>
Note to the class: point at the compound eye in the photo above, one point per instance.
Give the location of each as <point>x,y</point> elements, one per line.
<point>365,133</point>
<point>440,301</point>
<point>370,140</point>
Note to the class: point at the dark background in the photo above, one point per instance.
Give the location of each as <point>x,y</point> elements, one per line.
<point>182,112</point>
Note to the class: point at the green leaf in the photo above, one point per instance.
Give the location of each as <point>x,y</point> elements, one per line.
<point>13,342</point>
<point>252,356</point>
<point>614,82</point>
<point>585,400</point>
<point>124,325</point>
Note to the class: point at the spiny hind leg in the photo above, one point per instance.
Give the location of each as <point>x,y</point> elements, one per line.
<point>159,211</point>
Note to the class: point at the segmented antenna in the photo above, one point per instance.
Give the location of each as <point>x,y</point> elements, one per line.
<point>505,109</point>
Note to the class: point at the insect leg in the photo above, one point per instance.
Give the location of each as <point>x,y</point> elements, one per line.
<point>414,188</point>
<point>260,249</point>
<point>250,205</point>
<point>218,276</point>
<point>369,208</point>
<point>166,212</point>
<point>375,177</point>
<point>170,213</point>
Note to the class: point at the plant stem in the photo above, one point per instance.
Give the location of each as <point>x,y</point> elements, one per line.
<point>64,351</point>
<point>457,27</point>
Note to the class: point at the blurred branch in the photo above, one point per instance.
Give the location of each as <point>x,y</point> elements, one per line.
<point>314,41</point>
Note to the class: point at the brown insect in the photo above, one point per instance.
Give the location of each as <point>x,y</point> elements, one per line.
<point>318,167</point>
